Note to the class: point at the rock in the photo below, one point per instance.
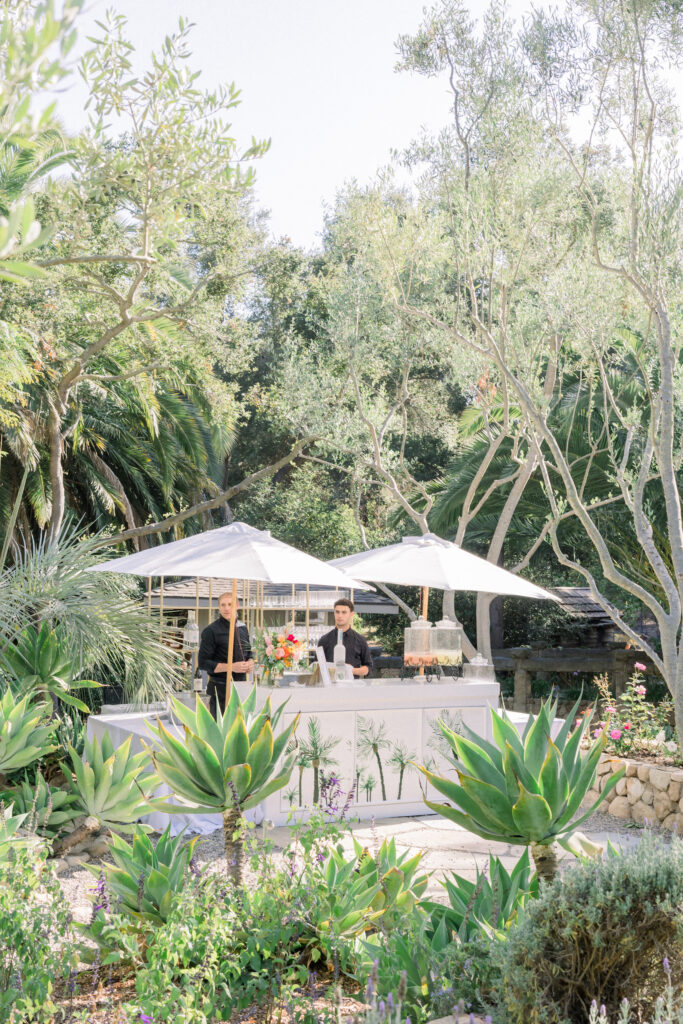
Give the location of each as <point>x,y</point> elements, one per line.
<point>643,772</point>
<point>611,795</point>
<point>674,791</point>
<point>631,769</point>
<point>662,804</point>
<point>590,798</point>
<point>677,775</point>
<point>620,808</point>
<point>674,821</point>
<point>634,790</point>
<point>648,795</point>
<point>603,767</point>
<point>641,813</point>
<point>620,787</point>
<point>99,847</point>
<point>680,805</point>
<point>660,778</point>
<point>83,856</point>
<point>59,864</point>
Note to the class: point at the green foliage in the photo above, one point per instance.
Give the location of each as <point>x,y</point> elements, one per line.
<point>10,837</point>
<point>110,784</point>
<point>99,618</point>
<point>228,765</point>
<point>26,734</point>
<point>632,721</point>
<point>221,950</point>
<point>525,790</point>
<point>36,945</point>
<point>601,931</point>
<point>48,810</point>
<point>145,877</point>
<point>40,664</point>
<point>366,892</point>
<point>487,906</point>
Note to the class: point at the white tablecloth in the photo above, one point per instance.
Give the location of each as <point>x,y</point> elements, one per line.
<point>120,727</point>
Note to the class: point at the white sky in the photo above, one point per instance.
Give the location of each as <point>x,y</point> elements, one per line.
<point>317,77</point>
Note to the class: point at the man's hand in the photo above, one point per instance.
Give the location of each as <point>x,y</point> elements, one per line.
<point>237,666</point>
<point>362,670</point>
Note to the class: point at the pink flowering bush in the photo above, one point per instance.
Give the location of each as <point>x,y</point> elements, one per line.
<point>631,722</point>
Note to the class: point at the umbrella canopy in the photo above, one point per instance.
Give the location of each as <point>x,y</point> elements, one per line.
<point>430,561</point>
<point>238,552</point>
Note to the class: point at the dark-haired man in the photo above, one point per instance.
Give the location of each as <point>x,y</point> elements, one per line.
<point>356,646</point>
<point>213,652</point>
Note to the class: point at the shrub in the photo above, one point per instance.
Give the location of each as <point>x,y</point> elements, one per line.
<point>600,932</point>
<point>36,944</point>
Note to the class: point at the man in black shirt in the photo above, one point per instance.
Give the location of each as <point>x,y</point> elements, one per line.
<point>213,652</point>
<point>357,650</point>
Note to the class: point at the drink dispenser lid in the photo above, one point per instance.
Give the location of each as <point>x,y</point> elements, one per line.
<point>478,659</point>
<point>447,624</point>
<point>420,623</point>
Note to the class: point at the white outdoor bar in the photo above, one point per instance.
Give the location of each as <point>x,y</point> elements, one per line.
<point>399,712</point>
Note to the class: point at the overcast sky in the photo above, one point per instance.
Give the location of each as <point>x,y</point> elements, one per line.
<point>317,77</point>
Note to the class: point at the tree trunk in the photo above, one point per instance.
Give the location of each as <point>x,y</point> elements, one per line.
<point>67,842</point>
<point>497,624</point>
<point>316,782</point>
<point>400,780</point>
<point>381,772</point>
<point>56,474</point>
<point>545,859</point>
<point>301,786</point>
<point>234,850</point>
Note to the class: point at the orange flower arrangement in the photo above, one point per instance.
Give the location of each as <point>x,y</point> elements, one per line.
<point>277,651</point>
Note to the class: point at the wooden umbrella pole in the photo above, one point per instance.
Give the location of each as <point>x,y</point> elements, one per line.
<point>210,595</point>
<point>149,595</point>
<point>293,607</point>
<point>308,619</point>
<point>231,641</point>
<point>161,609</point>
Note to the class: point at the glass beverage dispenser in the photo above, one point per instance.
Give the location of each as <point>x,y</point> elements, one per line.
<point>417,644</point>
<point>447,643</point>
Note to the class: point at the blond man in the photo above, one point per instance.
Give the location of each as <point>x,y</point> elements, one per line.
<point>213,652</point>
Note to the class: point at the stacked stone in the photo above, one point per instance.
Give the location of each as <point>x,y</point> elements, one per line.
<point>646,793</point>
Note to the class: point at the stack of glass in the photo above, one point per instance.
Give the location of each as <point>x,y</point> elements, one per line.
<point>417,652</point>
<point>446,643</point>
<point>478,670</point>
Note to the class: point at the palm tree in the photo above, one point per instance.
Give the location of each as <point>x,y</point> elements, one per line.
<point>400,759</point>
<point>103,626</point>
<point>372,739</point>
<point>369,783</point>
<point>302,762</point>
<point>317,751</point>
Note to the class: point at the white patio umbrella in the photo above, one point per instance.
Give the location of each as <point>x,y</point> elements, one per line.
<point>430,561</point>
<point>239,552</point>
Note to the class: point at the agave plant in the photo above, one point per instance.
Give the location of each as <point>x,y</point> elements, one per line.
<point>111,786</point>
<point>48,810</point>
<point>356,892</point>
<point>522,790</point>
<point>489,904</point>
<point>10,838</point>
<point>41,664</point>
<point>225,765</point>
<point>144,878</point>
<point>25,733</point>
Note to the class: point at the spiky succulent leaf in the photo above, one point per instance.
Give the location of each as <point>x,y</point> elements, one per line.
<point>520,790</point>
<point>26,733</point>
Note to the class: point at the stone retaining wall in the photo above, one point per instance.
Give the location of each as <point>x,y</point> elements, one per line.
<point>652,793</point>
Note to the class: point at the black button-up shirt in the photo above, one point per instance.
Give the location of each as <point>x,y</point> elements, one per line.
<point>356,646</point>
<point>214,649</point>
